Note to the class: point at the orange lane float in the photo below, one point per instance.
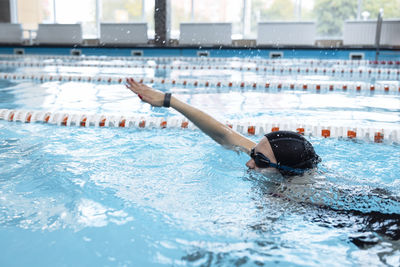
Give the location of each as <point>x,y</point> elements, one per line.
<point>11,116</point>
<point>351,134</point>
<point>378,137</point>
<point>251,130</point>
<point>28,118</point>
<point>325,133</point>
<point>142,124</point>
<point>184,124</point>
<point>300,131</point>
<point>64,120</point>
<point>46,118</point>
<point>102,122</point>
<point>82,122</point>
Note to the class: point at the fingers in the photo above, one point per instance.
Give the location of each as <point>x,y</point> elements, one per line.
<point>135,87</point>
<point>135,82</point>
<point>132,85</point>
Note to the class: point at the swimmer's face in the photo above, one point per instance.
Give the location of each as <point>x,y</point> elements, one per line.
<point>265,148</point>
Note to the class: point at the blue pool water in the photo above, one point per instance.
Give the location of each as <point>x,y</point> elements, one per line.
<point>72,196</point>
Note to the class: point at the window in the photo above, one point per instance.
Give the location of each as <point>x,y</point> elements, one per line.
<point>230,11</point>
<point>329,15</point>
<point>78,11</point>
<point>181,11</point>
<point>278,10</point>
<point>125,11</point>
<point>32,12</point>
<point>244,15</point>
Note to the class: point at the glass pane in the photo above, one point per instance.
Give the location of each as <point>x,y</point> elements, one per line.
<point>124,11</point>
<point>370,9</point>
<point>149,11</point>
<point>33,12</point>
<point>330,15</point>
<point>181,11</point>
<point>221,11</point>
<point>78,11</point>
<point>273,10</point>
<point>267,10</point>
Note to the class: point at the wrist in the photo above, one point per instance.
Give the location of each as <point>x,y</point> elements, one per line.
<point>167,100</point>
<point>175,103</point>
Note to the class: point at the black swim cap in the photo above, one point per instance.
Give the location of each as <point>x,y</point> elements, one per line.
<point>293,150</point>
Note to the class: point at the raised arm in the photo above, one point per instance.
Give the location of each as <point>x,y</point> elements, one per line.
<point>221,133</point>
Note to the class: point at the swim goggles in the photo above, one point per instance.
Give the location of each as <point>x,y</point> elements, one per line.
<point>263,162</point>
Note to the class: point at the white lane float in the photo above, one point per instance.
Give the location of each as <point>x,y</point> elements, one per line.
<point>316,86</point>
<point>358,72</point>
<point>258,61</point>
<point>378,135</point>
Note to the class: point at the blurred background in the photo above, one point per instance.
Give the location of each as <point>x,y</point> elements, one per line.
<point>243,14</point>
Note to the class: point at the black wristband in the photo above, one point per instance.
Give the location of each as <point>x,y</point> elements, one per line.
<point>167,100</point>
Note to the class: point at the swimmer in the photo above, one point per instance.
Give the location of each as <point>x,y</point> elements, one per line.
<point>286,152</point>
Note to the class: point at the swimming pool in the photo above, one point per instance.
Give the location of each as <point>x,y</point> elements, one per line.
<point>151,195</point>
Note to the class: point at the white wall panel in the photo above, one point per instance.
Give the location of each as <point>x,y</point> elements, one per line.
<point>205,34</point>
<point>359,33</point>
<point>59,34</point>
<point>390,34</point>
<point>123,33</point>
<point>10,33</point>
<point>363,33</point>
<point>286,33</point>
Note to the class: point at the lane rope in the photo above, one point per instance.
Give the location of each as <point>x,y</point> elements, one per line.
<point>378,135</point>
<point>316,86</point>
<point>314,62</point>
<point>388,73</point>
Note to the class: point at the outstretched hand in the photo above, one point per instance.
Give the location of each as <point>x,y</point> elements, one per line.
<point>146,93</point>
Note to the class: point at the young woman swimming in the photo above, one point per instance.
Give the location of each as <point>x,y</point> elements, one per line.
<point>288,152</point>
